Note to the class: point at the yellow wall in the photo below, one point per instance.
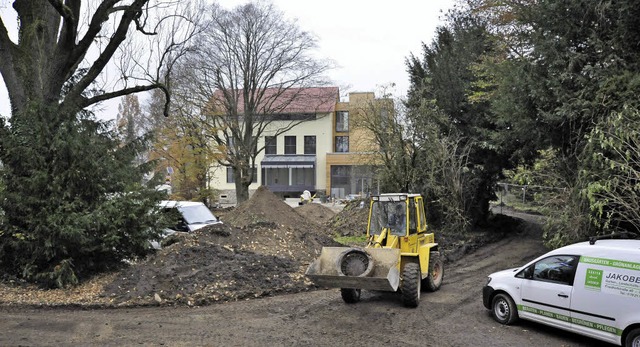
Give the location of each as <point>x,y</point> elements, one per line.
<point>361,139</point>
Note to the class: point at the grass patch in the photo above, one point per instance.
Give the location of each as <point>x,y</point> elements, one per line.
<point>359,241</point>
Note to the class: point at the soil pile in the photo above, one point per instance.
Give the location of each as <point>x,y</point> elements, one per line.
<point>352,220</point>
<point>316,213</point>
<point>263,249</point>
<point>264,208</point>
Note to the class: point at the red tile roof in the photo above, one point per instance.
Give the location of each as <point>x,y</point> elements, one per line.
<point>291,100</point>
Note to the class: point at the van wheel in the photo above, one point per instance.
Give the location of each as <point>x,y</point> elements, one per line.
<point>504,309</point>
<point>350,295</point>
<point>411,285</point>
<point>633,338</point>
<point>436,272</point>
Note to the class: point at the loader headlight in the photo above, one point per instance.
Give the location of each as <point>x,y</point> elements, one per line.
<point>488,281</point>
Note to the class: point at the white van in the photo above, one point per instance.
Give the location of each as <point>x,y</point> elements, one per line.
<point>590,288</point>
<point>189,216</point>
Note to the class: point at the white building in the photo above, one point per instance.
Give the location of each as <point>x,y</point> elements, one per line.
<point>325,155</point>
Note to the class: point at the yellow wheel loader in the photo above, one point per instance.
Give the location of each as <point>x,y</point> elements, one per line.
<point>401,254</point>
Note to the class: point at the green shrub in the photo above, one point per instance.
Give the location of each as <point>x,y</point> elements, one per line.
<point>74,202</point>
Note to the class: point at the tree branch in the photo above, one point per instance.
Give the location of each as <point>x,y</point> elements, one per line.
<point>6,45</point>
<point>100,16</point>
<point>63,10</point>
<point>126,91</point>
<point>7,70</point>
<point>70,12</point>
<point>140,26</point>
<point>118,37</point>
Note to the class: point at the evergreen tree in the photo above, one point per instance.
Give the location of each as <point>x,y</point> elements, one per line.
<point>74,203</point>
<point>573,70</point>
<point>445,108</point>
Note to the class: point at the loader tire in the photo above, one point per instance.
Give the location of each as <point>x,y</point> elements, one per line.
<point>411,285</point>
<point>350,295</point>
<point>433,281</point>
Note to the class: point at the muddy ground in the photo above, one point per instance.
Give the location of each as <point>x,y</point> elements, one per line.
<point>242,284</point>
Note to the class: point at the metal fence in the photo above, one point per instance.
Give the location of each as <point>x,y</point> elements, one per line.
<point>525,197</point>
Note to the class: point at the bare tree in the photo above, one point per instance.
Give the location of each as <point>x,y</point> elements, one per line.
<point>415,156</point>
<point>182,146</point>
<point>385,124</point>
<point>253,65</point>
<point>58,57</point>
<point>129,120</point>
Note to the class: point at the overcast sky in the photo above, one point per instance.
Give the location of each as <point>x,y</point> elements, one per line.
<point>368,40</point>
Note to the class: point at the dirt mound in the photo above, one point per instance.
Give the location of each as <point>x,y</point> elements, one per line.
<point>225,263</point>
<point>316,213</point>
<point>263,248</point>
<point>352,220</point>
<point>264,207</point>
<point>201,271</point>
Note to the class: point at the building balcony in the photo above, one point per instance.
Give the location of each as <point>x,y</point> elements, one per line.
<point>281,188</point>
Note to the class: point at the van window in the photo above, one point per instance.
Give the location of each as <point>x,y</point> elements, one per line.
<point>557,268</point>
<point>178,222</point>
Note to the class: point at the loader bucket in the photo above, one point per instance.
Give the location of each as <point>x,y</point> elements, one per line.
<point>358,268</point>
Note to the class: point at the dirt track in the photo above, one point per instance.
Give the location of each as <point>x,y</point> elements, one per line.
<point>453,316</point>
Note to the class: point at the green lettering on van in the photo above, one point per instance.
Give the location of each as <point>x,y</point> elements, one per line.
<point>567,319</point>
<point>593,279</point>
<point>597,326</point>
<point>611,263</point>
<point>539,312</point>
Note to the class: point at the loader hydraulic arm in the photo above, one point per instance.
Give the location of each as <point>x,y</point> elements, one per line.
<point>378,241</point>
<point>384,240</point>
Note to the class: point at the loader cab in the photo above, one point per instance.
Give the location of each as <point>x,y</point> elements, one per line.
<point>401,214</point>
<point>388,214</point>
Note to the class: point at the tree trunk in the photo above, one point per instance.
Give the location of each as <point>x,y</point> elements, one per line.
<point>29,68</point>
<point>242,187</point>
<point>42,68</point>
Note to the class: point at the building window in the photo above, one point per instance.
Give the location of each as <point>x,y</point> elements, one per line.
<point>342,121</point>
<point>303,177</point>
<point>230,178</point>
<point>342,144</point>
<point>230,175</point>
<point>289,145</point>
<point>309,145</point>
<point>270,145</point>
<point>340,181</point>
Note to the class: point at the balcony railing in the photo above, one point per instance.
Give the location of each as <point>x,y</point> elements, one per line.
<point>281,188</point>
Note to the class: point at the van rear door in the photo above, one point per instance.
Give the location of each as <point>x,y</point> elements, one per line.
<point>546,291</point>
